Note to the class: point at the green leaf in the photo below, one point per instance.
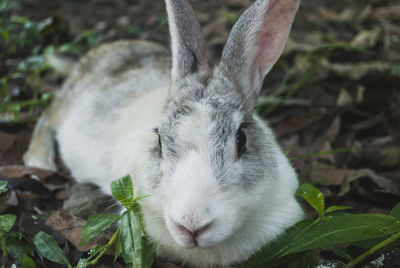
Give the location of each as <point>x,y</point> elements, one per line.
<point>27,262</point>
<point>97,224</point>
<point>7,221</point>
<point>395,211</point>
<point>131,239</point>
<point>340,229</point>
<point>336,208</point>
<point>122,190</point>
<point>17,245</point>
<point>269,255</point>
<point>3,186</point>
<point>118,250</point>
<point>82,263</point>
<point>313,196</point>
<point>49,248</point>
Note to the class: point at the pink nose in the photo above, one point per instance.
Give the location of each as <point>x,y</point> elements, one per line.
<point>193,233</point>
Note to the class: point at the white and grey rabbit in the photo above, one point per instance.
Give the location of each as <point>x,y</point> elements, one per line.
<point>220,186</point>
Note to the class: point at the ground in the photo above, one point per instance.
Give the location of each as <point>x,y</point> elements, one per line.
<point>333,98</point>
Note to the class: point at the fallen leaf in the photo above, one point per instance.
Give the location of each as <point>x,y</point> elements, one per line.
<point>71,226</point>
<point>50,178</point>
<point>367,38</point>
<point>358,70</point>
<point>328,175</point>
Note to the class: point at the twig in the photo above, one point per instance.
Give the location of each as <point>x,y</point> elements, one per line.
<point>371,251</point>
<point>104,250</point>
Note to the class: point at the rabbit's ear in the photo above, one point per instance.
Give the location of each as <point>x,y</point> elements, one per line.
<point>256,42</point>
<point>187,44</point>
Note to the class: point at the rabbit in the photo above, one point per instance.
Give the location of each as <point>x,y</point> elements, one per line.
<point>219,185</point>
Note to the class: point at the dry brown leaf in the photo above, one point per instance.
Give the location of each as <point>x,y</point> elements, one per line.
<point>344,98</point>
<point>328,175</point>
<point>49,178</point>
<point>71,227</point>
<point>13,146</point>
<point>367,38</point>
<point>297,122</point>
<point>359,70</point>
<point>388,13</point>
<point>6,141</point>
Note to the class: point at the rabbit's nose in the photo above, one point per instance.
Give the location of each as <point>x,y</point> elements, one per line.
<point>195,231</point>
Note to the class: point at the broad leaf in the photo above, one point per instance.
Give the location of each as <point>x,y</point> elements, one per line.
<point>49,248</point>
<point>395,211</point>
<point>131,239</point>
<point>345,229</point>
<point>27,262</point>
<point>96,224</point>
<point>313,196</point>
<point>122,190</point>
<point>7,221</point>
<point>82,263</point>
<point>118,250</point>
<point>3,186</point>
<point>17,246</point>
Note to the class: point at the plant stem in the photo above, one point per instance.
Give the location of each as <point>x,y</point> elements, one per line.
<point>371,251</point>
<point>3,248</point>
<point>104,250</point>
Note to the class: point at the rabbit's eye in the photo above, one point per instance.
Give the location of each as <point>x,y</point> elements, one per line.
<point>240,142</point>
<point>159,139</point>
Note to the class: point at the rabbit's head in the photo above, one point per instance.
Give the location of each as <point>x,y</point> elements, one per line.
<point>219,178</point>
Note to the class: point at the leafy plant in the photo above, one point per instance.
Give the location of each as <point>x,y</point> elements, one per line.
<point>330,229</point>
<point>6,223</point>
<point>25,43</point>
<point>129,238</point>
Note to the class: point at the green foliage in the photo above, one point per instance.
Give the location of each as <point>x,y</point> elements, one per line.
<point>296,247</point>
<point>130,239</point>
<point>27,262</point>
<point>28,40</point>
<point>3,186</point>
<point>48,248</point>
<point>122,190</point>
<point>96,224</point>
<point>6,222</point>
<point>341,229</point>
<point>314,197</point>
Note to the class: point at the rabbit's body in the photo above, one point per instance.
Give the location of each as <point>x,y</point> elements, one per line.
<point>130,85</point>
<point>220,187</point>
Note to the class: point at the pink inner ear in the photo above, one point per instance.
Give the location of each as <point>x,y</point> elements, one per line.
<point>271,37</point>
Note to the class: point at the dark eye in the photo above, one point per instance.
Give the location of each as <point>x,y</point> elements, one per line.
<point>240,142</point>
<point>159,139</point>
